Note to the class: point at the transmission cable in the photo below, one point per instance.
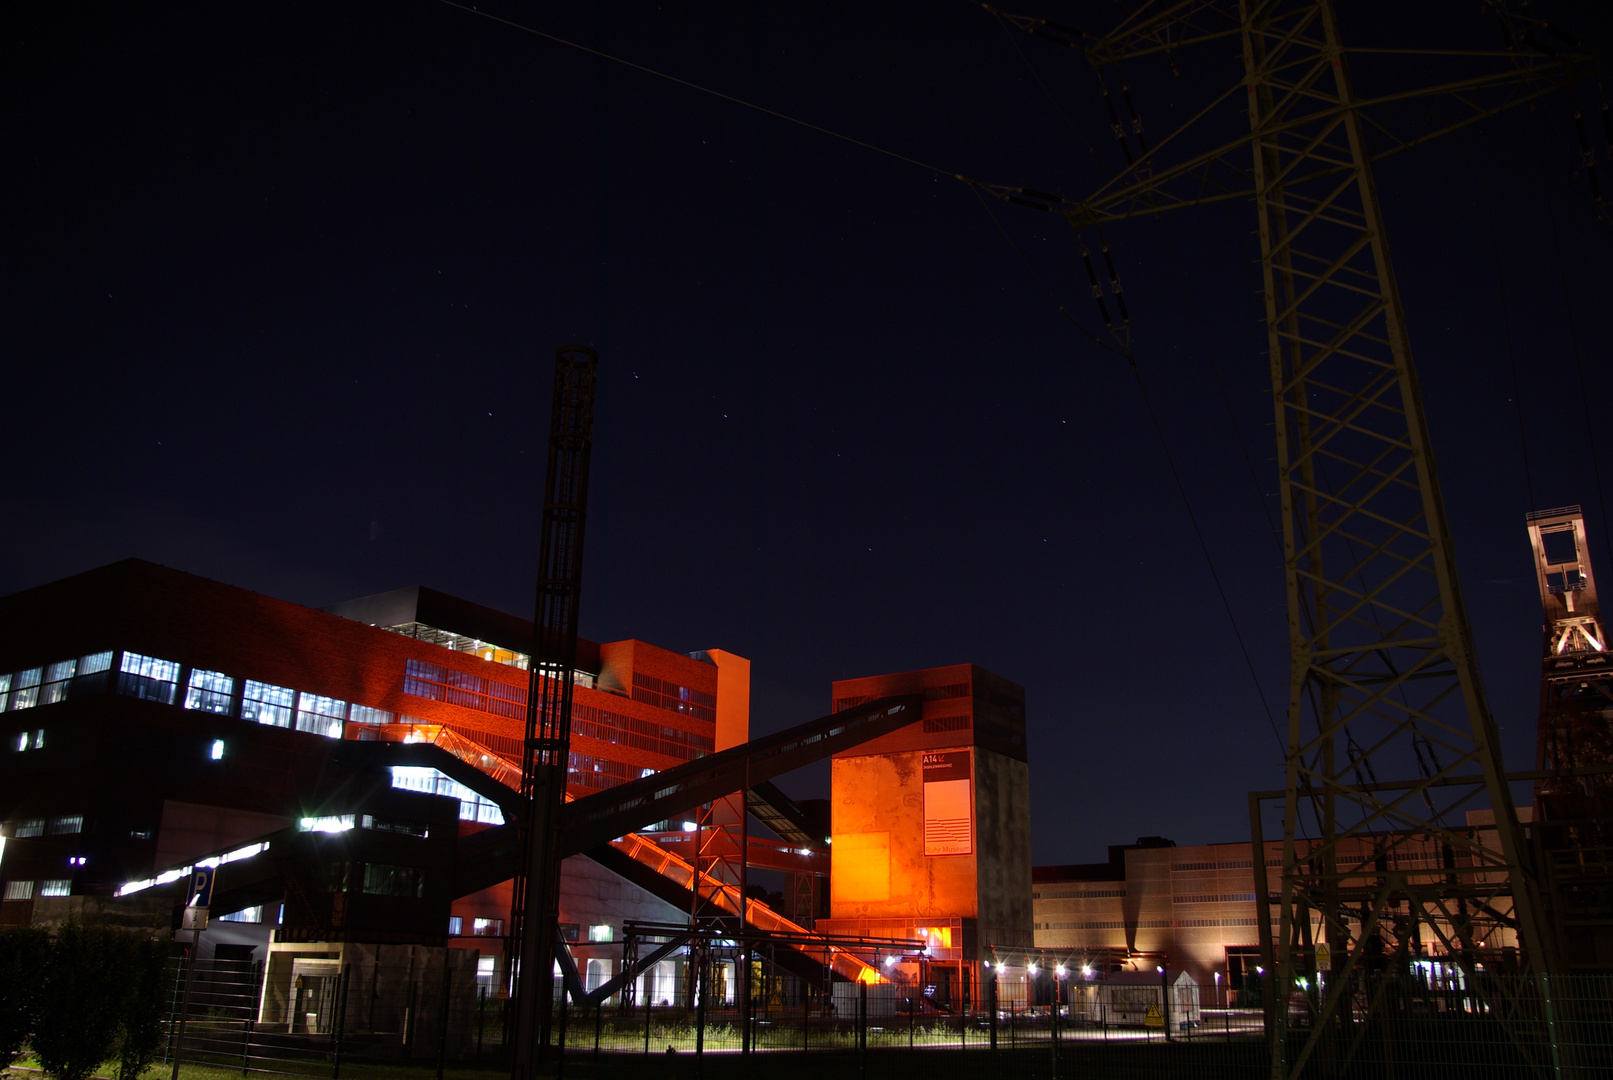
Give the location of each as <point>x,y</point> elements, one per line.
<point>708,90</point>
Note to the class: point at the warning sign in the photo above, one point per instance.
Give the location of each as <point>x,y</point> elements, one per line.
<point>1324,957</point>
<point>1153,1019</point>
<point>948,804</point>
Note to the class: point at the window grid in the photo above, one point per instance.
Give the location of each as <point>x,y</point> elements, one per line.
<point>148,678</point>
<point>267,704</point>
<point>56,887</point>
<point>321,715</point>
<point>25,689</point>
<point>58,677</point>
<point>209,691</point>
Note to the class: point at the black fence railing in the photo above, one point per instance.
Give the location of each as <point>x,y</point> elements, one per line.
<point>323,1021</point>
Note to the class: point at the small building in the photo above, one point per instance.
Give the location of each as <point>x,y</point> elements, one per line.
<point>1136,997</point>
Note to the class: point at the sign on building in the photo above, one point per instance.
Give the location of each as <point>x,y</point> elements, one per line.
<point>948,803</point>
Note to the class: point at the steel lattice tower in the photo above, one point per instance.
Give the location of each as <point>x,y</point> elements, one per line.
<point>535,908</point>
<point>1390,739</point>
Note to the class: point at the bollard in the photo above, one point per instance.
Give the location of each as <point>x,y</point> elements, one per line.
<point>341,1020</point>
<point>442,1026</point>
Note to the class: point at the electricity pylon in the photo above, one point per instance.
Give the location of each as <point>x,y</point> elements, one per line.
<point>1390,739</point>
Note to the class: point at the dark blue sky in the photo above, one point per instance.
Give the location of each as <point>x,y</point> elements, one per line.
<point>284,284</point>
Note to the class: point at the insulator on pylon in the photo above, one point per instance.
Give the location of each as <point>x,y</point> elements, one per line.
<point>1114,284</point>
<point>1136,121</point>
<point>1114,122</point>
<point>1587,156</point>
<point>1097,290</point>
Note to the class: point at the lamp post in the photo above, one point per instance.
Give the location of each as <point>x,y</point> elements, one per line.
<point>1165,1001</point>
<point>1218,990</point>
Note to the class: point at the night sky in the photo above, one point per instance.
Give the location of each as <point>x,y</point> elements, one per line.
<point>284,283</point>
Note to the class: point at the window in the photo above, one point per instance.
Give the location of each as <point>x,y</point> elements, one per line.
<point>267,704</point>
<point>1560,547</point>
<point>321,715</point>
<point>487,927</point>
<point>25,689</point>
<point>19,890</point>
<point>92,669</point>
<point>472,807</point>
<point>148,678</point>
<point>58,677</point>
<point>363,714</point>
<point>456,925</point>
<point>245,915</point>
<point>383,880</point>
<point>21,742</point>
<point>57,887</point>
<point>336,878</point>
<point>61,826</point>
<point>328,823</point>
<point>30,827</point>
<point>210,691</point>
<point>392,825</point>
<point>601,933</point>
<point>5,691</point>
<point>216,751</point>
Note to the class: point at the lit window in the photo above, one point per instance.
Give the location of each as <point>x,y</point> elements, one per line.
<point>30,827</point>
<point>39,739</point>
<point>456,925</point>
<point>22,741</point>
<point>246,915</point>
<point>328,823</point>
<point>25,689</point>
<point>321,715</point>
<point>19,890</point>
<point>383,880</point>
<point>57,678</point>
<point>216,751</point>
<point>267,704</point>
<point>148,678</point>
<point>363,714</point>
<point>5,691</point>
<point>60,826</point>
<point>487,927</point>
<point>95,663</point>
<point>601,933</point>
<point>56,887</point>
<point>210,691</point>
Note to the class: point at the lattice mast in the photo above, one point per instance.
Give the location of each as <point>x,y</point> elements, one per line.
<point>1389,735</point>
<point>535,909</point>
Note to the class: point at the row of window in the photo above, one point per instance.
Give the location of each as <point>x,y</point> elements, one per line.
<point>436,683</point>
<point>25,890</point>
<point>1150,924</point>
<point>1215,898</point>
<point>151,678</point>
<point>478,927</point>
<point>664,694</point>
<point>472,807</point>
<point>56,826</point>
<point>1079,894</point>
<point>376,879</point>
<point>933,693</point>
<point>1230,864</point>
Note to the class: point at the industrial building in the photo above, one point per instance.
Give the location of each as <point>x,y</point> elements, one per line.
<point>352,773</point>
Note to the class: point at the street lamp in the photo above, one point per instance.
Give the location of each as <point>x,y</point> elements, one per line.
<point>1218,989</point>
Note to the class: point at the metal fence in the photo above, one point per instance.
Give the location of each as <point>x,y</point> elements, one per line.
<point>360,1021</point>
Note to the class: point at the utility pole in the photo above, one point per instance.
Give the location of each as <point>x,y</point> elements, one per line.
<point>1383,680</point>
<point>535,908</point>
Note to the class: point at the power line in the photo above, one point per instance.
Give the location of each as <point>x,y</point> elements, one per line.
<point>708,90</point>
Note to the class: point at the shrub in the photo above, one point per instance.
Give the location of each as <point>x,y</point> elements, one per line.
<point>140,1034</point>
<point>22,967</point>
<point>81,1000</point>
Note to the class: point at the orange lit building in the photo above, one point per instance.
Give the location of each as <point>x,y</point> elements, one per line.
<point>931,824</point>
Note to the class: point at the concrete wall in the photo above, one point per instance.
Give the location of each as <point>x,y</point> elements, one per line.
<point>1003,849</point>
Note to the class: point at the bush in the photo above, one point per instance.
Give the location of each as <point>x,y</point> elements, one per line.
<point>140,1034</point>
<point>22,967</point>
<point>102,996</point>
